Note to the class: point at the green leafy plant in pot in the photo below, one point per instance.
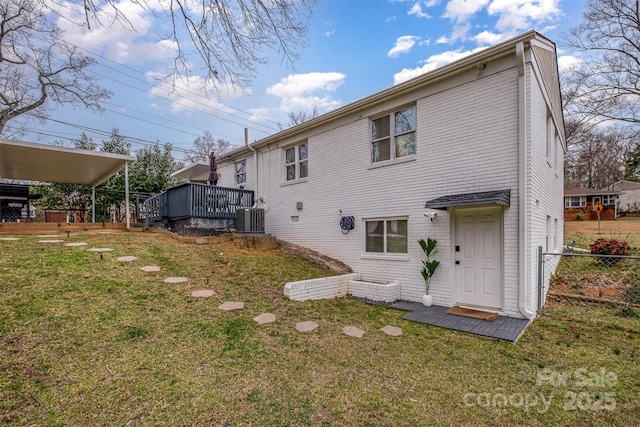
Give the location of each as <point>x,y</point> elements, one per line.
<point>429,266</point>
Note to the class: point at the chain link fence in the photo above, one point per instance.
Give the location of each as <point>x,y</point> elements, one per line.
<point>606,280</point>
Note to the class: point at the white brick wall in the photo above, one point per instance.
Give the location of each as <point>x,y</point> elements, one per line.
<point>467,141</point>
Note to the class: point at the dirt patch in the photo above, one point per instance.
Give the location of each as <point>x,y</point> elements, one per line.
<point>620,227</point>
<point>595,285</point>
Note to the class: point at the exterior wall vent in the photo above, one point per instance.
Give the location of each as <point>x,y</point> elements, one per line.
<point>250,220</point>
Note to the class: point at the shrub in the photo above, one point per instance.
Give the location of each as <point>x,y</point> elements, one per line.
<point>604,246</point>
<point>579,217</point>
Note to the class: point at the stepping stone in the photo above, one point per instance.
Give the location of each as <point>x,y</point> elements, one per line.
<point>100,250</point>
<point>265,318</point>
<point>393,331</point>
<point>75,244</point>
<point>9,238</point>
<point>175,280</point>
<point>127,258</point>
<point>203,293</point>
<point>150,268</point>
<point>352,331</point>
<point>231,305</point>
<point>50,241</point>
<point>307,326</point>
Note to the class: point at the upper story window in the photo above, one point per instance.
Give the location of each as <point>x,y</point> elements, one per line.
<point>241,172</point>
<point>296,162</point>
<point>575,202</point>
<point>387,236</point>
<point>394,135</point>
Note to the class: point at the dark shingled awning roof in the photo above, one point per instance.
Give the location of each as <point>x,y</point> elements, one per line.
<point>496,197</point>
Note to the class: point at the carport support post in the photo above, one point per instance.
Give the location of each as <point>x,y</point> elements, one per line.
<point>93,204</point>
<point>126,194</point>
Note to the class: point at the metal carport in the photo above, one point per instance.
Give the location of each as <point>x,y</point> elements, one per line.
<point>50,163</point>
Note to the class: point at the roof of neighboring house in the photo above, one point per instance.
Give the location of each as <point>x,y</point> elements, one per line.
<point>473,61</point>
<point>622,185</point>
<point>588,192</point>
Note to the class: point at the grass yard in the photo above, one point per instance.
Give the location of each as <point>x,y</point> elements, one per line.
<point>586,232</point>
<point>85,341</point>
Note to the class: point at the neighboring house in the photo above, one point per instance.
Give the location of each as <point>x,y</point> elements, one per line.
<point>470,154</point>
<point>579,204</point>
<point>628,195</point>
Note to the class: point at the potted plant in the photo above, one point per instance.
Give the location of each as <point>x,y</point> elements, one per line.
<point>429,267</point>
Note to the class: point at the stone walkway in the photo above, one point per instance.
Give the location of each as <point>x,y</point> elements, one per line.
<point>262,319</point>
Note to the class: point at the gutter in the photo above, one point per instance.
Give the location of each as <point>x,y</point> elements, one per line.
<point>522,183</point>
<point>255,162</point>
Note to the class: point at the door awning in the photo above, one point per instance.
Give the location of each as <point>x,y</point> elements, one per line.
<point>495,197</point>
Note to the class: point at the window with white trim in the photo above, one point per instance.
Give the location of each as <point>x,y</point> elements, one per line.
<point>609,200</point>
<point>386,236</point>
<point>241,172</point>
<point>551,140</point>
<point>575,201</point>
<point>296,162</point>
<point>393,135</point>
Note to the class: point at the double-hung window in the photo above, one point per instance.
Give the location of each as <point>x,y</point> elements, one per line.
<point>241,172</point>
<point>386,236</point>
<point>575,202</point>
<point>394,135</point>
<point>296,162</point>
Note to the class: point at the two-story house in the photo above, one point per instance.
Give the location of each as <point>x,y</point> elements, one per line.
<point>470,154</point>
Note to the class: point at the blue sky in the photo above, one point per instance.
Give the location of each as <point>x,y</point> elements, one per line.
<point>355,48</point>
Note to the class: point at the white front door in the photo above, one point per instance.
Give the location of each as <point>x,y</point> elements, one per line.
<point>478,257</point>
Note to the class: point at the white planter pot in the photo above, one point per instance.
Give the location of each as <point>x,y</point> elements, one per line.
<point>427,300</point>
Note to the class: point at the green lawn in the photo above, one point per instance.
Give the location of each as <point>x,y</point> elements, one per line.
<point>85,341</point>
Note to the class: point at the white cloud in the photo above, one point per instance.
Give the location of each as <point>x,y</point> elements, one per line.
<point>462,10</point>
<point>130,42</point>
<point>523,14</point>
<point>186,94</point>
<point>567,62</point>
<point>488,38</point>
<point>300,91</point>
<point>443,40</point>
<point>433,62</point>
<point>416,10</point>
<point>431,3</point>
<point>403,45</point>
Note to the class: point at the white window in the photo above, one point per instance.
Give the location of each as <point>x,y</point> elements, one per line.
<point>609,200</point>
<point>548,233</point>
<point>296,162</point>
<point>575,202</point>
<point>551,140</point>
<point>387,236</point>
<point>241,172</point>
<point>393,135</point>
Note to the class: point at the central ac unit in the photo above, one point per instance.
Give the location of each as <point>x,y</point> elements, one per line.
<point>249,220</point>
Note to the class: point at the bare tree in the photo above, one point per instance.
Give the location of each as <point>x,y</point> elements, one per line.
<point>231,37</point>
<point>37,69</point>
<point>609,38</point>
<point>204,145</point>
<point>596,157</point>
<point>300,117</point>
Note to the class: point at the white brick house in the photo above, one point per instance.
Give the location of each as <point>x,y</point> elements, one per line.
<point>479,142</point>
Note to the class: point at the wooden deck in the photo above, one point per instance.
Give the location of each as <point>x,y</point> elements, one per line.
<point>192,200</point>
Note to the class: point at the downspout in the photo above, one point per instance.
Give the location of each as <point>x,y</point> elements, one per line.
<point>126,194</point>
<point>255,162</point>
<point>522,183</point>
